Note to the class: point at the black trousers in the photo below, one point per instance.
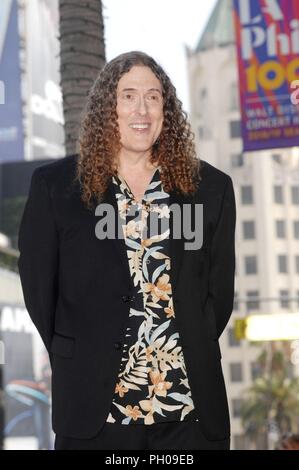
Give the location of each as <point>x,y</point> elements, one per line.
<point>185,435</point>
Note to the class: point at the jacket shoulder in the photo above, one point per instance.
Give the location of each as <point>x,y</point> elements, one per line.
<point>63,166</point>
<point>62,169</point>
<point>210,172</point>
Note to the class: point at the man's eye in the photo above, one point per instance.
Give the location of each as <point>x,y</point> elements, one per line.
<point>128,96</point>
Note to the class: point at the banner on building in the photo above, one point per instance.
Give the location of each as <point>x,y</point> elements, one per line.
<point>46,134</point>
<point>267,39</point>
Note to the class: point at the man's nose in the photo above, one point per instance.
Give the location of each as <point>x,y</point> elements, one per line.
<point>142,105</point>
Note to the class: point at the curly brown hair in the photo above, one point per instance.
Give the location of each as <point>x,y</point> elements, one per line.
<point>99,136</point>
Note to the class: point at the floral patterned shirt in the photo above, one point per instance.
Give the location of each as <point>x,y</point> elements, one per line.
<point>152,382</point>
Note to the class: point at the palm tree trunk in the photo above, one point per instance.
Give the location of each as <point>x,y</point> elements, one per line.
<point>82,52</point>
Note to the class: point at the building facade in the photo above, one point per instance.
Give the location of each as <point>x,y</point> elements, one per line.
<point>31,112</point>
<point>267,198</point>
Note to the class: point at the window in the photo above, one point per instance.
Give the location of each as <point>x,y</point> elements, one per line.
<point>252,302</point>
<point>234,97</point>
<point>278,195</point>
<point>235,129</point>
<point>246,195</point>
<point>297,264</point>
<point>277,158</point>
<point>204,133</point>
<point>236,407</point>
<point>282,264</point>
<point>255,369</point>
<point>236,371</point>
<point>248,230</point>
<point>232,340</point>
<point>237,160</point>
<point>280,228</point>
<point>295,194</point>
<point>236,302</point>
<point>284,301</point>
<point>250,265</point>
<point>202,101</point>
<point>296,228</point>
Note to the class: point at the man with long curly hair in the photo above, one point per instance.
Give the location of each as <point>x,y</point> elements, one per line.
<point>129,312</point>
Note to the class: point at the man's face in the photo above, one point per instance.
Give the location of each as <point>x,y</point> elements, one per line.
<point>139,109</point>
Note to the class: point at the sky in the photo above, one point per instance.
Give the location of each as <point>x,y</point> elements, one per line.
<point>161,28</point>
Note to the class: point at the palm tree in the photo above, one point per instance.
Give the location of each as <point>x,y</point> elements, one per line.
<point>273,398</point>
<point>82,53</point>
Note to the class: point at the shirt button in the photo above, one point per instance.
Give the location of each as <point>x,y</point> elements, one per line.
<point>126,298</point>
<point>117,345</point>
<point>148,261</point>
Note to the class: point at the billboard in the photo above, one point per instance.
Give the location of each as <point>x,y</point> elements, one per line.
<point>45,132</point>
<point>267,40</point>
<point>11,126</point>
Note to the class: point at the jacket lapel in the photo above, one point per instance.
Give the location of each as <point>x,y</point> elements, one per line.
<point>176,244</point>
<point>119,243</point>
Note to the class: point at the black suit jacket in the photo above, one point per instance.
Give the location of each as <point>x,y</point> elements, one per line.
<point>77,291</point>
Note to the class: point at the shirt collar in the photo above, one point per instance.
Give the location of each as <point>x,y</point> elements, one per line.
<point>124,187</point>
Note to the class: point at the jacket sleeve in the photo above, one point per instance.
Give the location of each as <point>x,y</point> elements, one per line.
<point>222,270</point>
<point>38,260</point>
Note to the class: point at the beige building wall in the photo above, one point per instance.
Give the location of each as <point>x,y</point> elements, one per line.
<point>215,118</point>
